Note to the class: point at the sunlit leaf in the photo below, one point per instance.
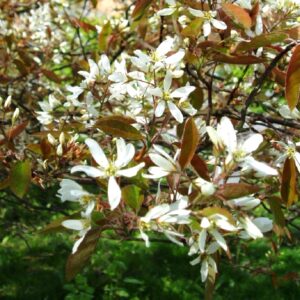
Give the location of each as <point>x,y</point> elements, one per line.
<point>189,142</point>
<point>237,14</point>
<point>118,127</point>
<point>289,182</point>
<point>236,190</point>
<point>20,178</point>
<point>132,197</point>
<point>292,84</point>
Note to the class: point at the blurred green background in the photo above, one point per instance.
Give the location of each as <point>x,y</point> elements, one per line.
<point>32,264</point>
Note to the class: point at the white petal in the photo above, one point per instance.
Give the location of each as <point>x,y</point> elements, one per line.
<point>175,111</point>
<point>164,47</point>
<point>156,92</point>
<point>251,228</point>
<point>162,162</point>
<point>204,270</point>
<point>219,24</point>
<point>114,193</point>
<point>202,240</point>
<point>130,172</point>
<point>156,212</point>
<point>260,167</point>
<point>161,151</point>
<point>175,58</point>
<point>73,224</point>
<point>227,133</point>
<point>167,82</point>
<point>182,92</point>
<point>219,238</point>
<point>166,11</point>
<point>156,172</point>
<point>264,224</point>
<point>145,237</point>
<point>297,160</point>
<point>160,108</point>
<point>206,29</point>
<point>195,261</point>
<point>205,223</point>
<point>90,208</point>
<point>104,62</point>
<point>88,170</point>
<point>252,143</point>
<point>97,153</point>
<point>196,12</point>
<point>125,153</point>
<point>77,244</point>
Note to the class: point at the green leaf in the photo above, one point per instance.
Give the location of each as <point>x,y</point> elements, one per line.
<point>289,182</point>
<point>84,252</point>
<point>292,84</point>
<point>20,178</point>
<point>262,41</point>
<point>118,127</point>
<point>236,190</point>
<point>189,142</point>
<point>132,197</point>
<point>103,37</point>
<point>275,205</point>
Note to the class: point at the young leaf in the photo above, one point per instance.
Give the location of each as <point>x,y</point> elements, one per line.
<point>292,83</point>
<point>237,14</point>
<point>200,167</point>
<point>189,142</point>
<point>237,59</point>
<point>140,9</point>
<point>132,197</point>
<point>289,182</point>
<point>237,190</point>
<point>118,127</point>
<point>20,178</point>
<point>275,205</point>
<point>84,252</point>
<point>262,41</point>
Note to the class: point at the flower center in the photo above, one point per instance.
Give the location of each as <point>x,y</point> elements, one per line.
<point>111,170</point>
<point>239,155</point>
<point>86,199</point>
<point>290,152</point>
<point>167,96</point>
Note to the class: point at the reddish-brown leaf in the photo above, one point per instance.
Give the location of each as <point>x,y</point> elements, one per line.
<point>189,142</point>
<point>289,182</point>
<point>237,59</point>
<point>292,83</point>
<point>236,190</point>
<point>238,15</point>
<point>200,167</point>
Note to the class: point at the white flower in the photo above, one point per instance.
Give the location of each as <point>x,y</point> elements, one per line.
<point>209,20</point>
<point>239,151</point>
<point>246,203</point>
<point>72,191</point>
<point>172,7</point>
<point>82,226</point>
<point>161,218</point>
<point>209,225</point>
<point>165,164</point>
<point>166,97</point>
<point>255,228</point>
<point>207,188</point>
<point>290,151</point>
<point>110,168</point>
<point>208,265</point>
<point>91,77</point>
<point>158,59</point>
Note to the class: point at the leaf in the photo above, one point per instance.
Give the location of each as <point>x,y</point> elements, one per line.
<point>237,59</point>
<point>289,182</point>
<point>4,184</point>
<point>193,29</point>
<point>84,252</point>
<point>236,190</point>
<point>200,167</point>
<point>189,142</point>
<point>20,178</point>
<point>84,25</point>
<point>275,205</point>
<point>132,197</point>
<point>237,14</point>
<point>14,132</point>
<point>279,76</point>
<point>118,127</point>
<point>103,37</point>
<point>197,98</point>
<point>51,75</point>
<point>21,67</point>
<point>294,33</point>
<point>292,83</point>
<point>140,9</point>
<point>262,41</point>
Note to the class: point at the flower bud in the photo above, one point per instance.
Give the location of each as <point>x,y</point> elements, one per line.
<point>15,115</point>
<point>62,138</point>
<point>51,139</point>
<point>59,150</point>
<point>7,102</point>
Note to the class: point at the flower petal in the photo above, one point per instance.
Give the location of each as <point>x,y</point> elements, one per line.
<point>162,162</point>
<point>175,111</point>
<point>97,153</point>
<point>114,193</point>
<point>206,29</point>
<point>219,24</point>
<point>182,92</point>
<point>160,108</point>
<point>252,143</point>
<point>73,224</point>
<point>130,172</point>
<point>88,170</point>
